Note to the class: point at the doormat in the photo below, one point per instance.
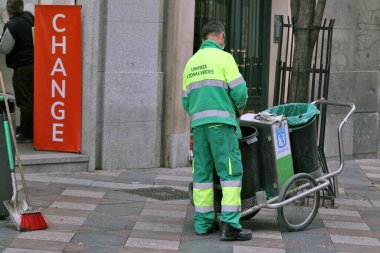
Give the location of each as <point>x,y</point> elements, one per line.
<point>160,193</point>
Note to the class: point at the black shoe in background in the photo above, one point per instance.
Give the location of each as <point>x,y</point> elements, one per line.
<point>229,233</point>
<point>20,138</point>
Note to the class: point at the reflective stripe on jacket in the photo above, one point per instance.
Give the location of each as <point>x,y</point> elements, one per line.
<point>213,88</point>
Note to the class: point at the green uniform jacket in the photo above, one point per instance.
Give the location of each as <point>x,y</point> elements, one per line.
<point>213,88</point>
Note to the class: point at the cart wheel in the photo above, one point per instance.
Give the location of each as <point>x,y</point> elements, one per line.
<point>191,193</point>
<point>300,213</point>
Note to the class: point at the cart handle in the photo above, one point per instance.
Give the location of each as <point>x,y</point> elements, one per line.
<point>340,139</point>
<point>273,204</point>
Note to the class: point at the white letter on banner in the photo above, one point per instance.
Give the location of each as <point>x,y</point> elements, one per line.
<point>61,90</point>
<point>55,23</point>
<point>55,132</point>
<point>55,44</point>
<point>61,112</point>
<point>60,69</point>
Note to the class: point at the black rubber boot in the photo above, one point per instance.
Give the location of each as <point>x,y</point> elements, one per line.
<point>229,233</point>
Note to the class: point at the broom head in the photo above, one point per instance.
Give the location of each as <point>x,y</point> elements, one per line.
<point>33,220</point>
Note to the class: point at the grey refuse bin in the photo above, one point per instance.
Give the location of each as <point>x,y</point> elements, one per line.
<point>5,175</point>
<point>251,171</point>
<point>303,136</point>
<point>274,152</point>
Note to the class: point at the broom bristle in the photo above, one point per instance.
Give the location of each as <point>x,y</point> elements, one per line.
<point>33,221</point>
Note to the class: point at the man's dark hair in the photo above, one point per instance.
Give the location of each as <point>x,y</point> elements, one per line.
<point>215,27</point>
<point>15,6</point>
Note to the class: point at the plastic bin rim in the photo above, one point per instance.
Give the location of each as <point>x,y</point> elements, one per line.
<point>311,120</point>
<point>251,136</point>
<point>291,118</point>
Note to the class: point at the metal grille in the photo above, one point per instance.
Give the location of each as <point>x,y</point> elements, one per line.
<point>319,76</point>
<point>320,66</point>
<point>247,24</point>
<point>161,193</point>
<point>248,203</point>
<point>206,11</point>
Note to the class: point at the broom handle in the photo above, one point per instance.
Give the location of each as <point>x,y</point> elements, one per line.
<point>14,140</point>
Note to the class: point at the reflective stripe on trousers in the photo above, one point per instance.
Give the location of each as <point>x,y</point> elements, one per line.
<point>231,196</point>
<point>203,195</point>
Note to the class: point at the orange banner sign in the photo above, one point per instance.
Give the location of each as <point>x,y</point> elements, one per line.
<point>57,78</point>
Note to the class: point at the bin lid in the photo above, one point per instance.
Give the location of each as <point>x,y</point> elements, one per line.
<point>296,113</point>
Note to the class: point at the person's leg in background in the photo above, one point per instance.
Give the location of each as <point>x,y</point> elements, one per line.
<point>23,87</point>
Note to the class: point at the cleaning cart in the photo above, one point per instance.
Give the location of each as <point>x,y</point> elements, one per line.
<point>295,196</point>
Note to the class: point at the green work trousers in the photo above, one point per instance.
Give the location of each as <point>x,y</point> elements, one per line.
<point>216,146</point>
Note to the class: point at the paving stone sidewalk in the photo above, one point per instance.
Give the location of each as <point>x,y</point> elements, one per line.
<point>148,211</point>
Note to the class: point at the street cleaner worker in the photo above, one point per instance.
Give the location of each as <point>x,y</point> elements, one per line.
<point>213,90</point>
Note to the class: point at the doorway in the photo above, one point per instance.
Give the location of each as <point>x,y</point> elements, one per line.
<point>247,24</point>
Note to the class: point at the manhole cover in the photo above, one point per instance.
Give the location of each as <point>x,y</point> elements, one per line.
<point>161,193</point>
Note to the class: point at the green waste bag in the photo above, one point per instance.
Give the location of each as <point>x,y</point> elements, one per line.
<point>297,114</point>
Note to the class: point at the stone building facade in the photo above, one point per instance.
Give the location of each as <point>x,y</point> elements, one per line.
<point>135,59</point>
<point>134,52</point>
